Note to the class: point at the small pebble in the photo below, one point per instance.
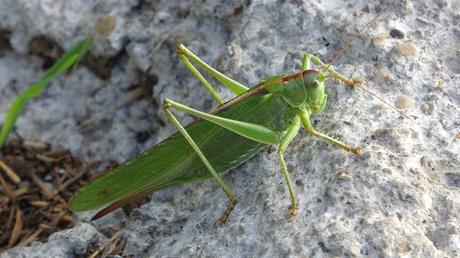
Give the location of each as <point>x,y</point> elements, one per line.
<point>387,171</point>
<point>382,75</point>
<point>379,39</point>
<point>229,59</point>
<point>105,24</point>
<point>406,49</point>
<point>343,175</point>
<point>403,248</point>
<point>427,108</point>
<point>403,102</point>
<point>427,163</point>
<point>396,34</point>
<point>366,9</point>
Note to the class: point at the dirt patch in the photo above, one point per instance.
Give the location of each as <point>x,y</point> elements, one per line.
<point>35,183</point>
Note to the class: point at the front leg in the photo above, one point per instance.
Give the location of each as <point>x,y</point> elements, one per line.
<point>327,67</point>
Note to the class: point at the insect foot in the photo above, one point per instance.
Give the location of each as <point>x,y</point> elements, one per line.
<point>230,206</point>
<point>293,210</point>
<point>166,104</point>
<point>356,150</point>
<point>357,80</point>
<point>180,48</point>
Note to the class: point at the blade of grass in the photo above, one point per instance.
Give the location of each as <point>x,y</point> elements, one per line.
<point>72,57</point>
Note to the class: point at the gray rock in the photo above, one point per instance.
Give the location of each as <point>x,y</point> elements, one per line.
<point>400,197</point>
<point>67,243</point>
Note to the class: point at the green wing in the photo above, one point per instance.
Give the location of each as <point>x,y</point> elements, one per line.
<point>173,161</point>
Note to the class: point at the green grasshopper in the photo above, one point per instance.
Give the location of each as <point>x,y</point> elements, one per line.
<point>271,112</point>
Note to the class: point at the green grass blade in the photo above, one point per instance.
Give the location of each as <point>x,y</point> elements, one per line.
<point>65,62</point>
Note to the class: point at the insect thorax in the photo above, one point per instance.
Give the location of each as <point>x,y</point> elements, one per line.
<point>301,90</point>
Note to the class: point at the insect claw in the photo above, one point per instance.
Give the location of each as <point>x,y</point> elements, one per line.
<point>356,150</point>
<point>179,48</point>
<point>166,104</point>
<point>293,211</point>
<point>357,80</point>
<point>230,206</point>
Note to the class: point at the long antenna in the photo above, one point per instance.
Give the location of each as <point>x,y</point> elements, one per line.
<point>384,101</point>
<point>347,45</point>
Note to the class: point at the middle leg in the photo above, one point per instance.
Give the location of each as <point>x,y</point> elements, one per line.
<point>248,130</point>
<point>288,137</point>
<point>305,119</point>
<point>230,195</point>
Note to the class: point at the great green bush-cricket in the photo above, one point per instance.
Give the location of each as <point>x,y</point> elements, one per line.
<point>269,113</point>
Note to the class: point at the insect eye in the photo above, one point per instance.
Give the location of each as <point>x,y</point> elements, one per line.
<point>315,84</point>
